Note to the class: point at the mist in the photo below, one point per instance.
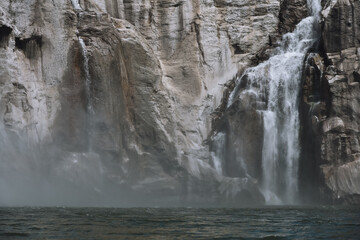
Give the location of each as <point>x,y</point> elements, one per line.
<point>34,174</point>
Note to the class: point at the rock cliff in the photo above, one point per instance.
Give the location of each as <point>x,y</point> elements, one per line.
<point>135,90</point>
<point>331,106</point>
<point>133,84</point>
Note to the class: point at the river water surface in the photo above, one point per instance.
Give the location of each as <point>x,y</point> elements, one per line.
<point>180,223</point>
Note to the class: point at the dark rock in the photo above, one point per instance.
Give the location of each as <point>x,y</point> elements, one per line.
<point>291,13</point>
<point>331,107</point>
<point>5,32</point>
<point>341,25</point>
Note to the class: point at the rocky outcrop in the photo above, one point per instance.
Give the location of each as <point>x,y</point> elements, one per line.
<point>331,96</point>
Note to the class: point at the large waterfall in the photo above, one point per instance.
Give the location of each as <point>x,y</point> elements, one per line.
<point>274,85</point>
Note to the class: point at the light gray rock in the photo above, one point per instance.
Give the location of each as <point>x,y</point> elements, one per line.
<point>157,72</point>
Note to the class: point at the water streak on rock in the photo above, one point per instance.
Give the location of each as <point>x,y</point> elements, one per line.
<point>87,76</point>
<point>76,4</point>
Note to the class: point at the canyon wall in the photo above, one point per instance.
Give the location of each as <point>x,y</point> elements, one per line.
<point>131,85</point>
<point>140,88</point>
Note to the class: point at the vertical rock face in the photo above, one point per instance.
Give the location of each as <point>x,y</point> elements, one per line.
<point>116,97</point>
<point>122,93</point>
<point>331,97</point>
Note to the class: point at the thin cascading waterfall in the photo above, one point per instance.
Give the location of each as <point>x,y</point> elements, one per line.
<point>218,151</point>
<point>89,106</point>
<point>87,76</point>
<point>76,4</point>
<point>276,83</point>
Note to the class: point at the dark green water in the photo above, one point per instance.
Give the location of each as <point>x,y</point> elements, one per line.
<point>180,223</point>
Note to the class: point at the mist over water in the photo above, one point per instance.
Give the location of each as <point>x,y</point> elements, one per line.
<point>33,177</point>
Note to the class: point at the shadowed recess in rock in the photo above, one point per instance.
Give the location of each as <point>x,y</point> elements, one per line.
<point>30,46</point>
<point>5,32</point>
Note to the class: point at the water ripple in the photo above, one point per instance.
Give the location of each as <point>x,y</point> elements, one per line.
<point>179,223</point>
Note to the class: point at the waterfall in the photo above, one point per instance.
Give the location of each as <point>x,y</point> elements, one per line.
<point>76,4</point>
<point>276,84</point>
<point>218,152</point>
<point>89,106</point>
<point>87,76</point>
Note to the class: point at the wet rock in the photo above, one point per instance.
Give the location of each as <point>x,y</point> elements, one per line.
<point>344,181</point>
<point>338,117</point>
<point>341,25</point>
<point>238,192</point>
<point>291,13</point>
